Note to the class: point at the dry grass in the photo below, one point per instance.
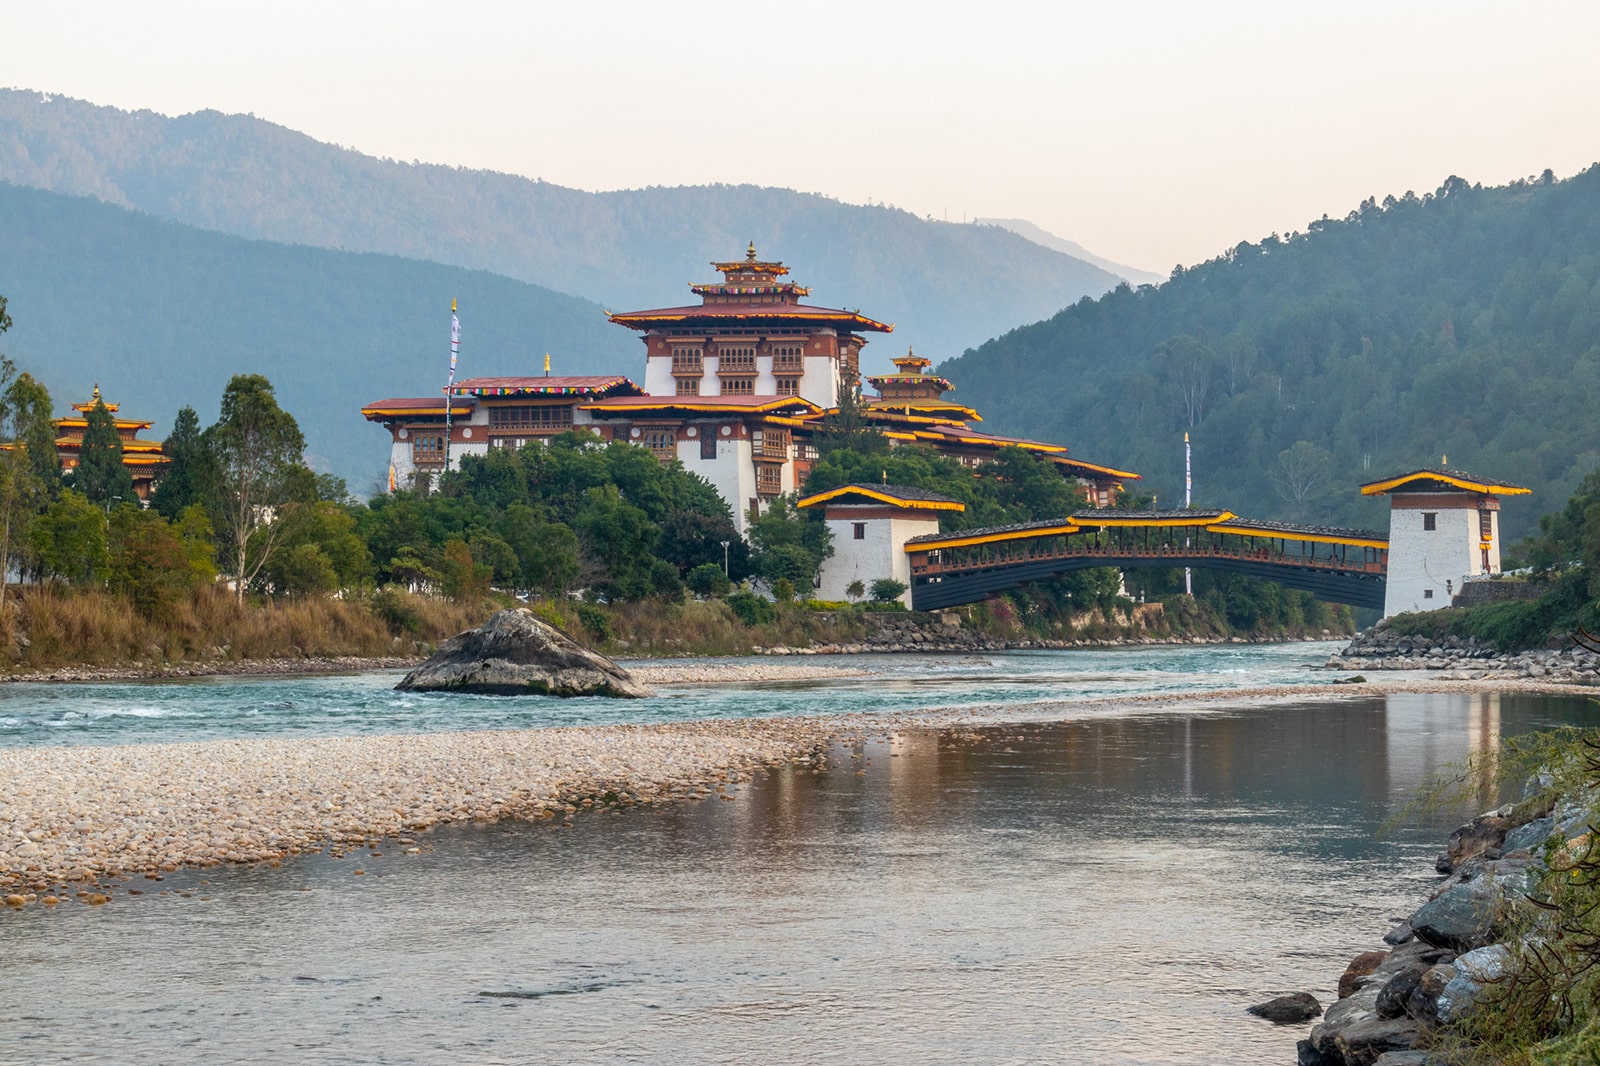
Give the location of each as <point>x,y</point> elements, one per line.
<point>47,627</point>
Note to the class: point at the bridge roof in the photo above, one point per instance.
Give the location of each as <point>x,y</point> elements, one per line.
<point>1429,479</point>
<point>991,534</point>
<point>1247,527</point>
<point>1116,516</point>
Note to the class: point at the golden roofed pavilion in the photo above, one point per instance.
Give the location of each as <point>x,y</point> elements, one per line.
<point>144,458</point>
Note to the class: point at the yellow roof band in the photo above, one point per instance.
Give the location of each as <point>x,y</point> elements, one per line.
<point>1379,487</point>
<point>1108,471</point>
<point>884,497</point>
<point>955,540</point>
<point>368,412</point>
<point>1316,538</point>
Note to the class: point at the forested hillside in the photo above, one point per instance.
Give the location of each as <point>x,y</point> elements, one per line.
<point>162,315</point>
<point>946,286</point>
<point>1463,324</point>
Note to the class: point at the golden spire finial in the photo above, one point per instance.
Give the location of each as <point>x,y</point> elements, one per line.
<point>452,305</point>
<point>96,392</point>
<point>546,364</point>
<point>750,253</point>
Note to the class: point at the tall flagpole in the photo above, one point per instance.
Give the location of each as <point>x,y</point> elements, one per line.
<point>455,350</point>
<point>1188,485</point>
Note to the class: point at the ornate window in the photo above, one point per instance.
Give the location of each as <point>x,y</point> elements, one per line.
<point>738,387</point>
<point>688,386</point>
<point>738,360</point>
<point>687,360</point>
<point>1430,520</point>
<point>427,448</point>
<point>661,440</point>
<point>708,442</point>
<point>788,386</point>
<point>549,418</point>
<point>769,480</point>
<point>788,359</point>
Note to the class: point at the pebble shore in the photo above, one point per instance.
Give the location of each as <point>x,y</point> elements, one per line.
<point>84,814</point>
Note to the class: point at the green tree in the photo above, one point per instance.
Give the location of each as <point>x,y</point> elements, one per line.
<point>341,559</point>
<point>617,539</point>
<point>69,540</point>
<point>258,448</point>
<point>887,590</point>
<point>790,542</point>
<point>855,590</point>
<point>547,552</point>
<point>26,427</point>
<point>708,580</point>
<point>100,476</point>
<point>191,476</point>
<point>147,561</point>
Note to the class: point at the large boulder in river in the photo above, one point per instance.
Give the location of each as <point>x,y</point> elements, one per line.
<point>516,654</point>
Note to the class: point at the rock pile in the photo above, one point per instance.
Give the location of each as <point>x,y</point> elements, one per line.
<point>1379,648</point>
<point>1447,953</point>
<point>517,654</point>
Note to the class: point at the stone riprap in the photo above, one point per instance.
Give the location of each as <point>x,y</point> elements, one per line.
<point>1447,953</point>
<point>515,653</point>
<point>82,814</point>
<point>1380,648</point>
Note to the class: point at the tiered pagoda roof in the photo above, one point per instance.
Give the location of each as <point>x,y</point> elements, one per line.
<point>750,292</point>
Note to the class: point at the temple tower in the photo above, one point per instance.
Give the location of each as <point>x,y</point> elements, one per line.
<point>1444,528</point>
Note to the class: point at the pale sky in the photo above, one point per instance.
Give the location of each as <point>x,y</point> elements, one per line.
<point>1151,133</point>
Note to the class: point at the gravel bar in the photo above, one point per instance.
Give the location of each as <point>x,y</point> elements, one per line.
<point>74,817</point>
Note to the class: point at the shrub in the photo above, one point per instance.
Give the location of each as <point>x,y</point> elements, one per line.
<point>707,579</point>
<point>783,590</point>
<point>752,609</point>
<point>887,590</point>
<point>594,620</point>
<point>398,610</point>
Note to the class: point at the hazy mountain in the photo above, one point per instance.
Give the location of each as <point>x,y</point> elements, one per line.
<point>946,286</point>
<point>1039,235</point>
<point>1461,324</point>
<point>161,315</point>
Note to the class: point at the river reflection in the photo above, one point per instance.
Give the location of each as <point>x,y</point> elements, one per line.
<point>1112,890</point>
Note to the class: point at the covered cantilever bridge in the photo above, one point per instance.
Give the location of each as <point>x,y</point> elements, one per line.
<point>1339,565</point>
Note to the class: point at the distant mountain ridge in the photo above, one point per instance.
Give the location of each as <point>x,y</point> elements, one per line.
<point>947,286</point>
<point>162,314</point>
<point>1039,235</point>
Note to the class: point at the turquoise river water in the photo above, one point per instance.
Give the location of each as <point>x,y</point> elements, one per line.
<point>1108,887</point>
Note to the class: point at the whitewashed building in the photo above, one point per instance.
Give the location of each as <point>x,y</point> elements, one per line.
<point>1444,527</point>
<point>870,526</point>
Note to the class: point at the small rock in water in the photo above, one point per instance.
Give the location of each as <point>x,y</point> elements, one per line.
<point>1292,1009</point>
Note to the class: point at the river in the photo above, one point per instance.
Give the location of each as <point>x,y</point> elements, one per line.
<point>1106,888</point>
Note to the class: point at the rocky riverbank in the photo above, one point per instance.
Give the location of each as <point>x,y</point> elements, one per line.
<point>1438,963</point>
<point>943,631</point>
<point>1379,648</point>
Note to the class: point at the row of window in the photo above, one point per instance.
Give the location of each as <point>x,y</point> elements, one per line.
<point>786,359</point>
<point>737,387</point>
<point>551,416</point>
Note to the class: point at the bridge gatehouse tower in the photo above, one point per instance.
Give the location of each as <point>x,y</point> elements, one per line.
<point>870,526</point>
<point>1444,529</point>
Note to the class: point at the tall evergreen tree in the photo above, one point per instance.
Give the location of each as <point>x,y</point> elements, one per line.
<point>258,448</point>
<point>100,477</point>
<point>191,474</point>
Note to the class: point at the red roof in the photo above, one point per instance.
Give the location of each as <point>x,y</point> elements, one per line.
<point>582,383</point>
<point>750,312</point>
<point>702,403</point>
<point>401,406</point>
